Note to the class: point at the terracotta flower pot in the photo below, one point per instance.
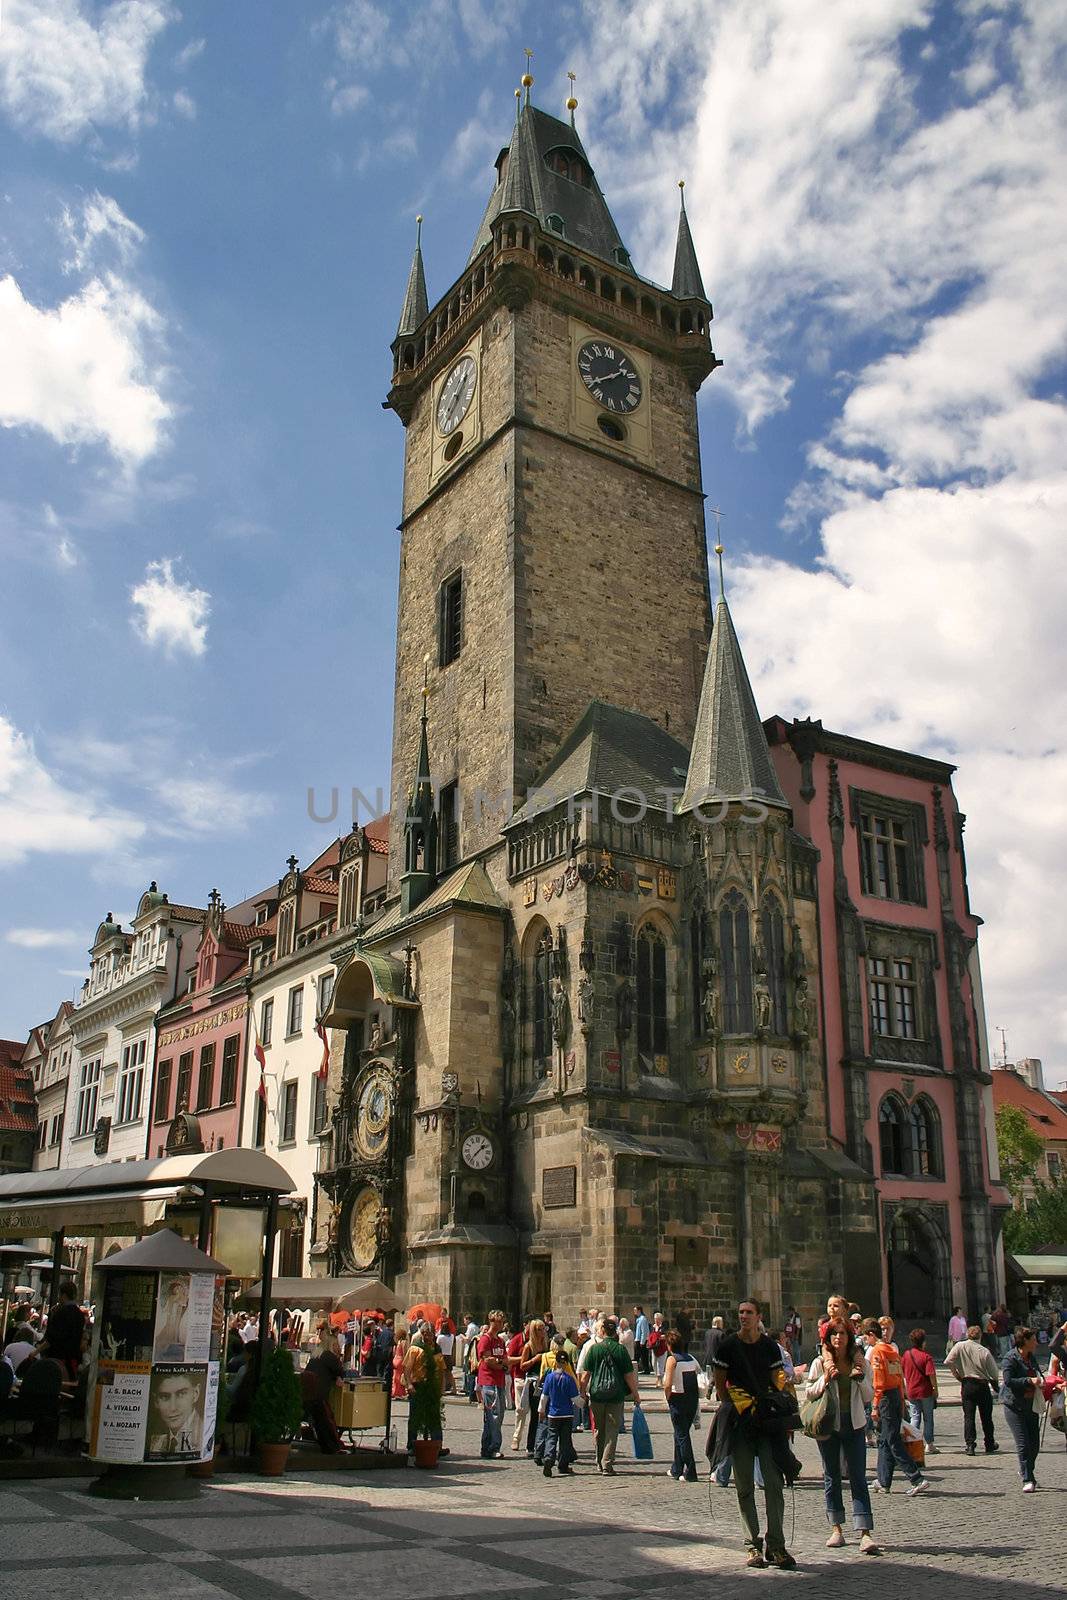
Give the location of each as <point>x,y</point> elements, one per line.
<point>426,1452</point>
<point>272,1459</point>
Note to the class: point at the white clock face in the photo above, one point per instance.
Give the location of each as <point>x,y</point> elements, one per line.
<point>456,395</point>
<point>477,1151</point>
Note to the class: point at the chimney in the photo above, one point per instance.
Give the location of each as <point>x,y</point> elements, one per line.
<point>1030,1069</point>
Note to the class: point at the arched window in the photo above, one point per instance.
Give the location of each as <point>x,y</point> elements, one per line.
<point>651,992</point>
<point>894,1136</point>
<point>925,1126</point>
<point>542,997</point>
<point>555,222</point>
<point>773,929</point>
<point>698,931</point>
<point>735,944</point>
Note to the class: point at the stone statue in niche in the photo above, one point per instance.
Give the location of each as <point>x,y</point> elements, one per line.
<point>763,1005</point>
<point>585,1001</point>
<point>376,1034</point>
<point>560,1012</point>
<point>559,955</point>
<point>507,1029</point>
<point>624,1009</point>
<point>710,996</point>
<point>802,1010</point>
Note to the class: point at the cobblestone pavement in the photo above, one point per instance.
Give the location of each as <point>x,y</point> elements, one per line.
<point>500,1527</point>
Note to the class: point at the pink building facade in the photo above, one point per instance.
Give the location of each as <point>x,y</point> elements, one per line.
<point>905,1053</point>
<point>201,1043</point>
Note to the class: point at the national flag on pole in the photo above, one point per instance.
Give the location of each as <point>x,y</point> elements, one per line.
<point>261,1056</point>
<point>324,1065</point>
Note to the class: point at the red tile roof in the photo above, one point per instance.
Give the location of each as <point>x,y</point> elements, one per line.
<point>1046,1115</point>
<point>18,1105</point>
<point>188,913</point>
<point>377,833</point>
<point>317,885</point>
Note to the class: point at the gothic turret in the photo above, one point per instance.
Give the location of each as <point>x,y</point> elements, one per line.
<point>420,830</point>
<point>730,759</point>
<point>544,173</point>
<point>416,304</point>
<point>686,283</point>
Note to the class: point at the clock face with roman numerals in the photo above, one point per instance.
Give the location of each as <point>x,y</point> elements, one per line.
<point>610,376</point>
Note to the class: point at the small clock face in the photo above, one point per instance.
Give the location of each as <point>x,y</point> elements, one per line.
<point>456,395</point>
<point>610,376</point>
<point>477,1151</point>
<point>372,1115</point>
<point>363,1228</point>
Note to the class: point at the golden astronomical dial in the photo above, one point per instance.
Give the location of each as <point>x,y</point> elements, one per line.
<point>373,1110</point>
<point>363,1228</point>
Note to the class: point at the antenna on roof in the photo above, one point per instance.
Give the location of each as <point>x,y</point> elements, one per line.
<point>527,77</point>
<point>572,103</point>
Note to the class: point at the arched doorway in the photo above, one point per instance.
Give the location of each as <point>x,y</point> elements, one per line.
<point>917,1267</point>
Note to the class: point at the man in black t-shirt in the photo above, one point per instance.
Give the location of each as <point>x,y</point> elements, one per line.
<point>748,1367</point>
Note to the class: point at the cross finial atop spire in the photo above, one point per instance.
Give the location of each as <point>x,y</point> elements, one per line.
<point>527,77</point>
<point>681,185</point>
<point>719,547</point>
<point>572,103</point>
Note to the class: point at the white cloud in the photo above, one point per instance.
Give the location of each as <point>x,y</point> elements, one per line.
<point>39,812</point>
<point>418,36</point>
<point>189,53</point>
<point>44,938</point>
<point>102,233</point>
<point>82,371</point>
<point>184,104</point>
<point>67,68</point>
<point>173,614</point>
<point>844,227</point>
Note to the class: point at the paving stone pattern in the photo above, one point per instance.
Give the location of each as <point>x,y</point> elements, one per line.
<point>475,1528</point>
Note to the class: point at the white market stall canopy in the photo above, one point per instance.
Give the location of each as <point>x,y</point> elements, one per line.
<point>1039,1269</point>
<point>330,1294</point>
<point>130,1197</point>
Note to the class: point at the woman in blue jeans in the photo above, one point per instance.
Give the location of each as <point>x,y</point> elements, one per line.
<point>683,1402</point>
<point>1020,1396</point>
<point>840,1367</point>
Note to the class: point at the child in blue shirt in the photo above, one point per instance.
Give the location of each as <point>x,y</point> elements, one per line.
<point>558,1394</point>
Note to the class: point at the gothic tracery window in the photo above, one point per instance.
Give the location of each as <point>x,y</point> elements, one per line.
<point>651,992</point>
<point>773,933</point>
<point>542,997</point>
<point>735,943</point>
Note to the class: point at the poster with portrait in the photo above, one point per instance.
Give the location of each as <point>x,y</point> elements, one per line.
<point>177,1411</point>
<point>120,1411</point>
<point>188,1317</point>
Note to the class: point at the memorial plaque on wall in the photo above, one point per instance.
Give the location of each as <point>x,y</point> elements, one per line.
<point>559,1187</point>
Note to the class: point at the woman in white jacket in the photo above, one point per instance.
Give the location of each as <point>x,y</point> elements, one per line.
<point>839,1364</point>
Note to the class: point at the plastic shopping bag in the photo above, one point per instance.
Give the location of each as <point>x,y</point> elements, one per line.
<point>640,1436</point>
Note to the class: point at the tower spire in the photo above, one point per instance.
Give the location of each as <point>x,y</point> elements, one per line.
<point>572,101</point>
<point>416,305</point>
<point>730,759</point>
<point>687,283</point>
<point>420,822</point>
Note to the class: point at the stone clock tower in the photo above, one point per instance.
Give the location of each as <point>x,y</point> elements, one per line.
<point>580,1063</point>
<point>553,546</point>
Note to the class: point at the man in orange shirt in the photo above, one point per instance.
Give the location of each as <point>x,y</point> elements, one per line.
<point>888,1411</point>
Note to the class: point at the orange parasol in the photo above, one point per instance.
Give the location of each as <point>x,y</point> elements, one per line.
<point>426,1310</point>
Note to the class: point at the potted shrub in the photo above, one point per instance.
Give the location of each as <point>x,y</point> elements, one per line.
<point>277,1412</point>
<point>425,1415</point>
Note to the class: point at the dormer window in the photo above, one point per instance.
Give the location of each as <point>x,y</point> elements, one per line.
<point>567,163</point>
<point>555,222</point>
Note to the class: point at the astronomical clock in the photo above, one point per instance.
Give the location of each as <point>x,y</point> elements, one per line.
<point>370,1136</point>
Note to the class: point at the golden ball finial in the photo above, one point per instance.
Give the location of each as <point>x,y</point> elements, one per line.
<point>518,94</point>
<point>527,80</point>
<point>572,104</point>
<point>681,183</point>
<point>719,548</point>
<point>419,217</point>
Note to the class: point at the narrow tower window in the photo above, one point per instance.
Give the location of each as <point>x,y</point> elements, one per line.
<point>773,930</point>
<point>448,838</point>
<point>450,619</point>
<point>735,941</point>
<point>542,999</point>
<point>651,993</point>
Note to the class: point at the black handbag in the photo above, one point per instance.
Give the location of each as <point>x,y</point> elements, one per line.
<point>774,1408</point>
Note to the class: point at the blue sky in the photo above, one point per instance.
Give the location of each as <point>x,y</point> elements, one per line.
<point>206,220</point>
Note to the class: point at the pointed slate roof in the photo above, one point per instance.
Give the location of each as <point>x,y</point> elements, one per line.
<point>468,886</point>
<point>606,751</point>
<point>687,283</point>
<point>530,186</point>
<point>416,305</point>
<point>730,758</point>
